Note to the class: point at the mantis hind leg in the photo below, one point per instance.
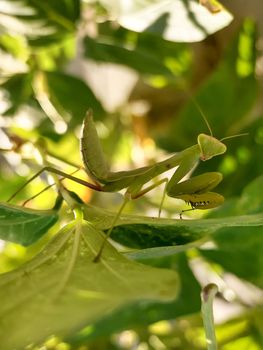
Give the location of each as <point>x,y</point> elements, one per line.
<point>46,189</point>
<point>57,172</point>
<point>151,187</point>
<point>97,257</point>
<point>163,197</point>
<point>129,196</point>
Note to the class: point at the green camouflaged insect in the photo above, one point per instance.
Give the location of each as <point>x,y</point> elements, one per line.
<point>195,191</point>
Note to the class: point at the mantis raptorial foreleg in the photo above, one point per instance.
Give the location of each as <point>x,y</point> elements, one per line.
<point>196,191</point>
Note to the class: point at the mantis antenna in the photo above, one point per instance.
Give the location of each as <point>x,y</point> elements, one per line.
<point>233,136</point>
<point>202,114</point>
<point>208,125</point>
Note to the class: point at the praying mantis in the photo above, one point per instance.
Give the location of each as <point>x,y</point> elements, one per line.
<point>195,191</point>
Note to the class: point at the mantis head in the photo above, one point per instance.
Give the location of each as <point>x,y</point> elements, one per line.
<point>210,146</point>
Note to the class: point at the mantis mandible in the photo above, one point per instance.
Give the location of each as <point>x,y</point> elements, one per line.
<point>194,191</point>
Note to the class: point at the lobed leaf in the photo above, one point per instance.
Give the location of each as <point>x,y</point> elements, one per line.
<point>239,250</point>
<point>145,232</point>
<point>144,313</point>
<point>62,290</point>
<point>24,226</point>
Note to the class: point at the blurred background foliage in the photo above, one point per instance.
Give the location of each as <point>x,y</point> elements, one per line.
<point>139,73</point>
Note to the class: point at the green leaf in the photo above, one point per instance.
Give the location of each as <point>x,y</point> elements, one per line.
<point>239,250</point>
<point>71,95</point>
<point>144,313</point>
<point>219,101</point>
<point>145,232</point>
<point>251,200</point>
<point>156,50</point>
<point>24,226</point>
<point>19,90</point>
<point>105,50</point>
<point>62,290</point>
<point>59,10</point>
<point>227,114</point>
<point>175,20</point>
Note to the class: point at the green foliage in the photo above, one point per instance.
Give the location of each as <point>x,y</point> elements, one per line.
<point>175,20</point>
<point>63,87</point>
<point>24,226</point>
<point>144,313</point>
<point>228,114</point>
<point>62,288</point>
<point>144,232</point>
<point>60,58</point>
<point>140,60</point>
<point>244,256</point>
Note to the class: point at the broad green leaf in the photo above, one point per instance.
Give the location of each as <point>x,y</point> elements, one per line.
<point>106,50</point>
<point>19,90</point>
<point>24,226</point>
<point>227,113</point>
<point>144,313</point>
<point>145,232</point>
<point>175,20</point>
<point>240,250</point>
<point>62,290</point>
<point>58,12</point>
<point>219,101</point>
<point>250,202</point>
<point>13,184</point>
<point>64,88</point>
<point>156,51</point>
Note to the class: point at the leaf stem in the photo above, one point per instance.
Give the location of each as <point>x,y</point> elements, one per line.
<point>97,257</point>
<point>73,258</point>
<point>207,295</point>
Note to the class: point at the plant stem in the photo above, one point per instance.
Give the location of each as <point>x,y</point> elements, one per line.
<point>207,295</point>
